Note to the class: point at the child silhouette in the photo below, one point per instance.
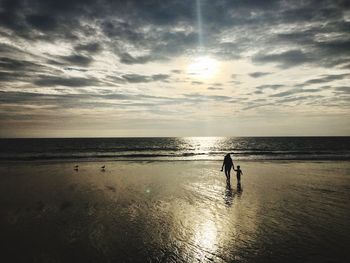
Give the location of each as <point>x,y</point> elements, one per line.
<point>238,174</point>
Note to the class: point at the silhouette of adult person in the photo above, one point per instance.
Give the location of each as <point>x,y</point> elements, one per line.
<point>228,164</point>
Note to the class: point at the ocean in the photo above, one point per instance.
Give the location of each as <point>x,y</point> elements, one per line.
<point>177,205</point>
<point>176,148</point>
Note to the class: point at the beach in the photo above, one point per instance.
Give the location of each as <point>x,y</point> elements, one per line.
<point>174,211</point>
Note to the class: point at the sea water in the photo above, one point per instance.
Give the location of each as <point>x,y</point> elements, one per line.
<point>181,148</point>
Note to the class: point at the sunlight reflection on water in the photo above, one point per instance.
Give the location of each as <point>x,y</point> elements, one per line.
<point>202,144</point>
<point>176,212</point>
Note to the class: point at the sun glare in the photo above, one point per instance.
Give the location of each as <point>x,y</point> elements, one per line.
<point>203,67</point>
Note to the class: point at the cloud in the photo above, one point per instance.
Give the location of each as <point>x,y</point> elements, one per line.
<point>270,86</point>
<point>78,60</point>
<point>101,50</point>
<point>202,98</point>
<point>14,70</point>
<point>154,27</point>
<point>214,88</point>
<point>160,77</point>
<point>6,49</point>
<point>75,69</point>
<point>92,47</point>
<point>16,65</point>
<point>42,22</point>
<point>343,90</point>
<point>10,76</point>
<point>126,58</point>
<point>51,81</point>
<point>285,59</point>
<point>294,91</point>
<point>325,79</point>
<point>283,94</point>
<point>300,98</point>
<point>258,74</point>
<point>136,78</point>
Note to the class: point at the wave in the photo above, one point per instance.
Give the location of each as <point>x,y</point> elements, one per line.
<point>243,155</point>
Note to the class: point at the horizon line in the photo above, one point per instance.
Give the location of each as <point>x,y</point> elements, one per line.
<point>129,137</point>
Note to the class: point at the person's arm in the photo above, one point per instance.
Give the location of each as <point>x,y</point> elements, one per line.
<point>222,167</point>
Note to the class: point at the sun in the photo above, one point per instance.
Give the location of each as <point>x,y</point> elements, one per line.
<point>203,67</point>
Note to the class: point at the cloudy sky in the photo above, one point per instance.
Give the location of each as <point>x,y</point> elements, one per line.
<point>81,68</point>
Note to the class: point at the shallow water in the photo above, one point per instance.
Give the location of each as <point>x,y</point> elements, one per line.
<point>175,212</point>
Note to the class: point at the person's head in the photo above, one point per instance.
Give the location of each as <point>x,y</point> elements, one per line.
<point>238,167</point>
<point>227,156</point>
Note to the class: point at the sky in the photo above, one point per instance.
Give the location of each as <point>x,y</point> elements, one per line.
<point>103,68</point>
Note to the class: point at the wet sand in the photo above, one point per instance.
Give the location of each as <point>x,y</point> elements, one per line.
<point>174,212</point>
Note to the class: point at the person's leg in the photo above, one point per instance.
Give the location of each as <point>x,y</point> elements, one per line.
<point>228,174</point>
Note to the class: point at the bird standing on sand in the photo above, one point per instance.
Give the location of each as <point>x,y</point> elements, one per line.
<point>76,167</point>
<point>103,168</point>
